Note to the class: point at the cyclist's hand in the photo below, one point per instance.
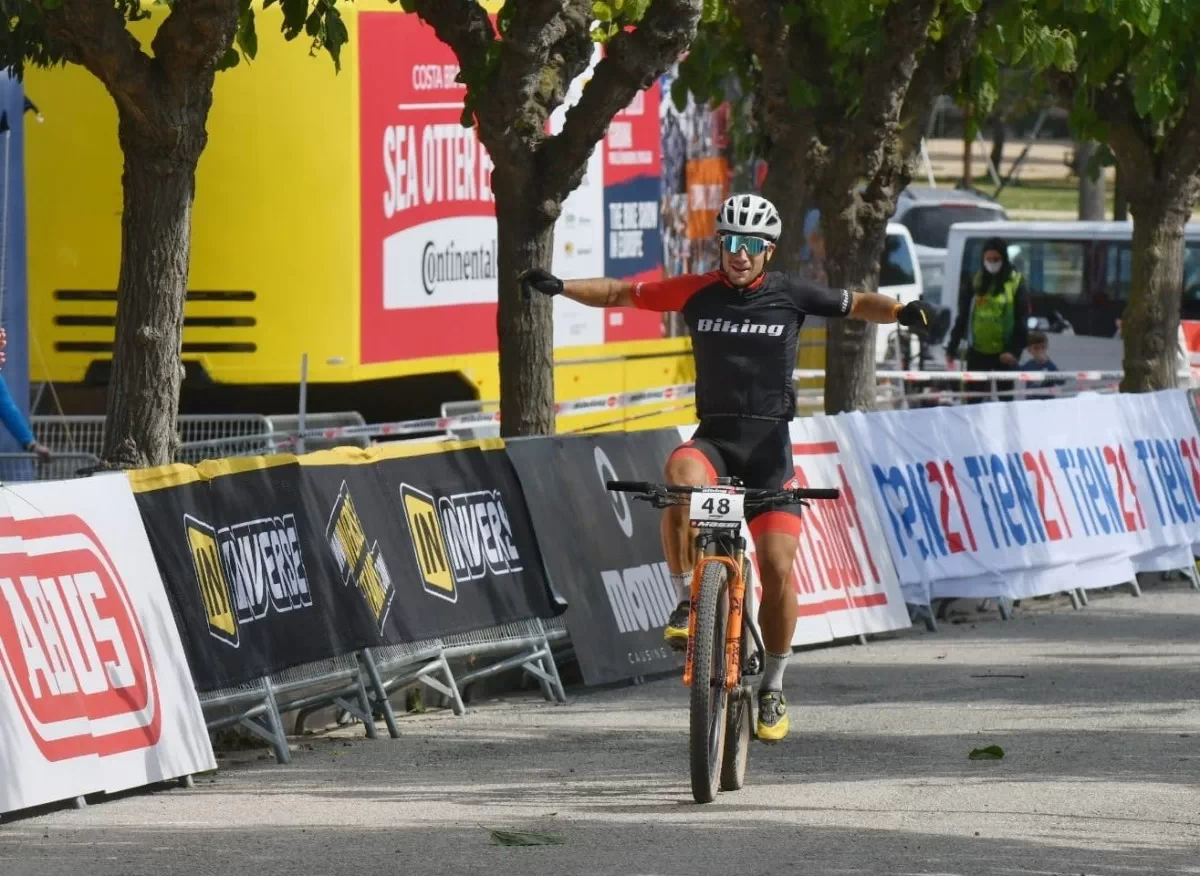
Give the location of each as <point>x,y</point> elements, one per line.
<point>916,315</point>
<point>535,279</point>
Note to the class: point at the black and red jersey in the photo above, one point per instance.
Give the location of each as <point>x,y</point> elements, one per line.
<point>744,340</point>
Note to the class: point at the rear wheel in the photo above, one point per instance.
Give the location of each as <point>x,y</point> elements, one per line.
<point>737,741</point>
<point>706,742</point>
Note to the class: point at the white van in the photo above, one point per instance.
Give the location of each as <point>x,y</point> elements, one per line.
<point>1078,274</point>
<point>899,277</point>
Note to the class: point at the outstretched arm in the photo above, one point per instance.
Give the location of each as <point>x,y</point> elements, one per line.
<point>874,307</point>
<point>662,295</point>
<point>601,292</point>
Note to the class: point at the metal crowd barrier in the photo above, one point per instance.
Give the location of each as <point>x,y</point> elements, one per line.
<point>361,683</point>
<point>525,644</point>
<point>31,467</point>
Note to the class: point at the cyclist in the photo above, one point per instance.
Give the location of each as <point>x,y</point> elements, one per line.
<point>745,325</point>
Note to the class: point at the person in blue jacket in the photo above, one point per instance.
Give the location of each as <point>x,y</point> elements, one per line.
<point>11,416</point>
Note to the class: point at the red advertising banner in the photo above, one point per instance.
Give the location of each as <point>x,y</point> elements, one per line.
<point>632,201</point>
<point>429,255</point>
<point>428,231</point>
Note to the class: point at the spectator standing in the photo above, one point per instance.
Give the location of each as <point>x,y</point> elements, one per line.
<point>993,310</point>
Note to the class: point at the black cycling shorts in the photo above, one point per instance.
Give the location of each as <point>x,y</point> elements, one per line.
<point>759,453</point>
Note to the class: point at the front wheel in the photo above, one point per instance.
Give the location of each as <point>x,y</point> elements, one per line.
<point>706,742</point>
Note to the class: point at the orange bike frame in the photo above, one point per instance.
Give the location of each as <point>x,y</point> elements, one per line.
<point>733,633</point>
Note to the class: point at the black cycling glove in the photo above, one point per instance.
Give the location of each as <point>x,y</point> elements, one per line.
<point>916,315</point>
<point>535,279</point>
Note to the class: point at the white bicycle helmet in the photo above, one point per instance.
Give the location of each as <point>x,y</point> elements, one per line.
<point>749,214</point>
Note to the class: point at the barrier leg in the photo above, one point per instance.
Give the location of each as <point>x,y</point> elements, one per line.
<point>367,660</point>
<point>277,738</point>
<point>1075,603</point>
<point>1134,587</point>
<point>862,640</point>
<point>364,703</point>
<point>551,668</point>
<point>187,782</point>
<point>1083,597</point>
<point>923,613</point>
<point>449,688</point>
<point>1006,607</point>
<point>80,802</point>
<point>1194,574</point>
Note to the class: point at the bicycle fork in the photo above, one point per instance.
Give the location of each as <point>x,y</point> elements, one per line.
<point>737,604</point>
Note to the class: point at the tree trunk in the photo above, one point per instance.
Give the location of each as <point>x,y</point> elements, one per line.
<point>143,391</point>
<point>1150,324</point>
<point>1120,202</point>
<point>524,329</point>
<point>968,179</point>
<point>784,187</point>
<point>998,138</point>
<point>1091,189</point>
<point>853,247</point>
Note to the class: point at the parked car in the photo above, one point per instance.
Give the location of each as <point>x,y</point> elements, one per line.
<point>928,213</point>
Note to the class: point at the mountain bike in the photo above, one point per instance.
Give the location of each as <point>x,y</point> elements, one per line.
<point>722,720</point>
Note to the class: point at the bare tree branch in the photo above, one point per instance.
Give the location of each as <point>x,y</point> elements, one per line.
<point>633,61</point>
<point>194,37</point>
<point>93,35</point>
<point>888,77</point>
<point>1181,152</point>
<point>940,65</point>
<point>1129,134</point>
<point>777,44</point>
<point>463,25</point>
<point>547,44</point>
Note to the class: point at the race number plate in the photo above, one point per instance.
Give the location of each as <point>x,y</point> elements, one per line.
<point>717,510</point>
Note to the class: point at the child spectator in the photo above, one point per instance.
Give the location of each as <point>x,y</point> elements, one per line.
<point>1039,360</point>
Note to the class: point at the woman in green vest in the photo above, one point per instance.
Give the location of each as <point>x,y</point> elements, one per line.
<point>993,313</point>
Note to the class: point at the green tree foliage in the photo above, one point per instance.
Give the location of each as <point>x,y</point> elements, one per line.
<point>1134,84</point>
<point>844,93</point>
<point>162,93</point>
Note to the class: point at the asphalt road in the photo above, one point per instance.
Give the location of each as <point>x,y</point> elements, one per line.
<point>1097,710</point>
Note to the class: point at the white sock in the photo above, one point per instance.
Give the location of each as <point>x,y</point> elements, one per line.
<point>683,586</point>
<point>773,672</point>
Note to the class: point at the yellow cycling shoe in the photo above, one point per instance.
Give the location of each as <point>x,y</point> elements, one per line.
<point>676,633</point>
<point>772,716</point>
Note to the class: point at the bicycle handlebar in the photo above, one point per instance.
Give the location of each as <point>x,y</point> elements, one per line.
<point>751,495</point>
<point>630,486</point>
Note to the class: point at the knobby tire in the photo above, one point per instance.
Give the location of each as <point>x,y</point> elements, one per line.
<point>709,700</point>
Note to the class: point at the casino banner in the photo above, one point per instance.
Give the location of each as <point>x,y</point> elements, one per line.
<point>1023,499</point>
<point>843,576</point>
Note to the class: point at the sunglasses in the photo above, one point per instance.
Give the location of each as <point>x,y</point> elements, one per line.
<point>731,243</point>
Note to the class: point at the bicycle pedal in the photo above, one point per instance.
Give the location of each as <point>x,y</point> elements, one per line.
<point>753,666</point>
